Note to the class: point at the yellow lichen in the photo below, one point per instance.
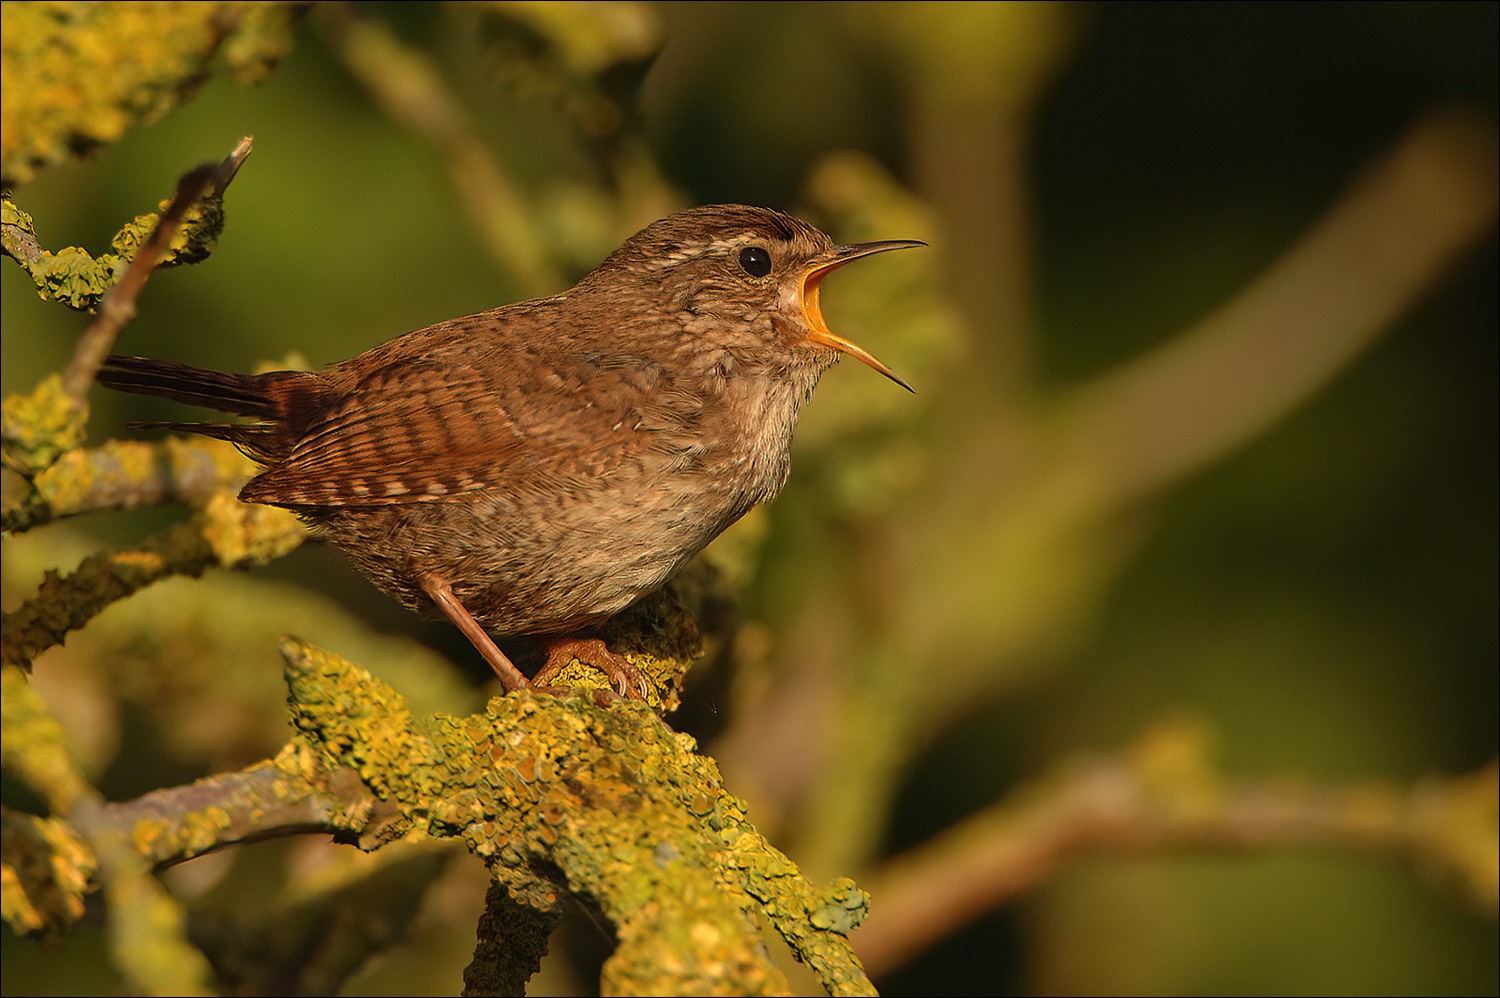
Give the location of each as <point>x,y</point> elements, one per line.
<point>41,426</point>
<point>75,76</point>
<point>45,873</point>
<point>627,812</point>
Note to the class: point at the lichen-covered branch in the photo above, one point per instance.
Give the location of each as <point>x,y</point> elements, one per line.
<point>47,862</point>
<point>36,429</point>
<point>512,939</point>
<point>78,279</point>
<point>127,474</point>
<point>146,928</point>
<point>50,864</point>
<point>76,76</point>
<point>267,800</point>
<point>207,182</point>
<point>609,802</point>
<point>225,533</point>
<point>45,866</point>
<point>553,793</point>
<point>1164,794</point>
<point>39,428</point>
<point>34,747</point>
<point>44,875</point>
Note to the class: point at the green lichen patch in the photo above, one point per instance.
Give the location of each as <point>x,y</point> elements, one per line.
<point>75,278</point>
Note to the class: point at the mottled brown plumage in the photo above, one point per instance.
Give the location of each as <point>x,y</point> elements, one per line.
<point>537,468</point>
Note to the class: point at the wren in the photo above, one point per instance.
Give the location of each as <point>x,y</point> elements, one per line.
<point>537,468</point>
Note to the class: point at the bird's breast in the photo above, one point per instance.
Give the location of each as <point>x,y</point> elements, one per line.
<point>725,437</point>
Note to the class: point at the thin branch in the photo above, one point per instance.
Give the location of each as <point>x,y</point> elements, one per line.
<point>127,474</point>
<point>225,533</point>
<point>178,823</point>
<point>1161,797</point>
<point>118,306</point>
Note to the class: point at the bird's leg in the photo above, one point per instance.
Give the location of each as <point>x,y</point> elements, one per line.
<point>442,594</point>
<point>563,649</point>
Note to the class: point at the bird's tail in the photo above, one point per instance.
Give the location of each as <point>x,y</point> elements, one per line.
<point>276,401</point>
<point>236,394</point>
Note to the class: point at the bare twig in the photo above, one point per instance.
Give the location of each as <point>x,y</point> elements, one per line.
<point>118,306</point>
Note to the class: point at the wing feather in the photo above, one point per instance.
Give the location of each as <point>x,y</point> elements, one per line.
<point>421,428</point>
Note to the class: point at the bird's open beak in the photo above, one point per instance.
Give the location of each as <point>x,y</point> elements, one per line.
<point>812,307</point>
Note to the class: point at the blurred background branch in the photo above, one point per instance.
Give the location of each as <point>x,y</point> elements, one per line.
<point>1163,795</point>
<point>405,83</point>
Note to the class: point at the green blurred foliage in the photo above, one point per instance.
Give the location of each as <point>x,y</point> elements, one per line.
<point>1326,595</point>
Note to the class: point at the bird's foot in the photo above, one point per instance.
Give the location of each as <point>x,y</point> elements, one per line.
<point>628,681</point>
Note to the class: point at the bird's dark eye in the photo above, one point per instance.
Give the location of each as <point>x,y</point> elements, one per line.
<point>755,261</point>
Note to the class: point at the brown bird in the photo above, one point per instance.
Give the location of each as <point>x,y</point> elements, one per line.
<point>539,467</point>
